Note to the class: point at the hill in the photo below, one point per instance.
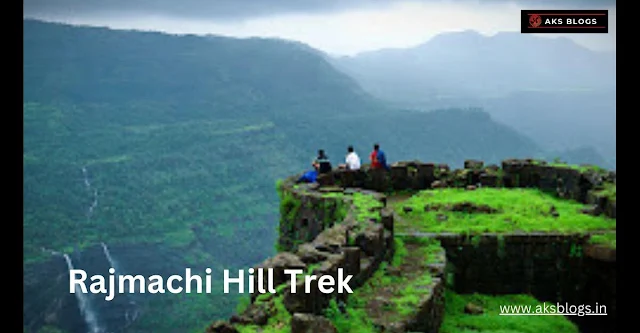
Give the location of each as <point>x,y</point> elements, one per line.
<point>153,152</point>
<point>533,84</point>
<point>434,249</point>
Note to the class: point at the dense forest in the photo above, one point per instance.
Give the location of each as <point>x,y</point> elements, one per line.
<point>167,149</point>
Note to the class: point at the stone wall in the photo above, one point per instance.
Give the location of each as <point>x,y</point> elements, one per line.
<point>305,212</point>
<point>317,242</point>
<point>552,267</point>
<point>564,181</point>
<point>320,233</point>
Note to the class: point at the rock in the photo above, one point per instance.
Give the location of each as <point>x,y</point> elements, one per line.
<point>352,256</point>
<point>309,254</point>
<point>600,252</point>
<point>284,260</point>
<point>331,189</point>
<point>471,188</point>
<point>468,207</point>
<point>443,167</point>
<point>221,327</point>
<point>326,179</point>
<point>437,269</point>
<point>561,190</point>
<point>351,191</point>
<point>488,180</point>
<point>397,327</point>
<point>257,314</point>
<point>493,167</point>
<point>474,309</point>
<point>279,263</point>
<point>610,209</point>
<point>308,323</point>
<point>237,319</point>
<point>407,209</point>
<point>593,210</point>
<point>594,178</point>
<point>438,184</point>
<point>370,239</point>
<point>473,164</point>
<point>332,239</point>
<point>384,300</point>
<point>386,217</point>
<point>441,217</point>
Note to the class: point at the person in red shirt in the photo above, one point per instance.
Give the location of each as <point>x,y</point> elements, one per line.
<point>378,158</point>
<point>373,157</point>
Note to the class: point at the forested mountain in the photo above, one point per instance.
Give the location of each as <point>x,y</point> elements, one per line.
<point>553,90</point>
<point>153,152</point>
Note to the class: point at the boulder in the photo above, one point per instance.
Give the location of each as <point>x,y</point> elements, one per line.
<point>279,262</point>
<point>221,327</point>
<point>473,164</point>
<point>308,323</point>
<point>309,254</point>
<point>474,309</point>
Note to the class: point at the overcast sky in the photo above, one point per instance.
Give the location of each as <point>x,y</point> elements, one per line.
<point>339,27</point>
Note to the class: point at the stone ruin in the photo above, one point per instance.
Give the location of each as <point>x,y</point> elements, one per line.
<point>323,232</point>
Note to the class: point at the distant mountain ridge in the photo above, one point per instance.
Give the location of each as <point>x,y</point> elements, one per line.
<point>555,91</point>
<point>468,64</point>
<point>107,65</point>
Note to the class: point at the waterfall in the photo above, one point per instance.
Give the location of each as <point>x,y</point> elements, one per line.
<point>86,178</point>
<point>94,204</point>
<point>107,254</point>
<point>84,303</point>
<point>87,184</point>
<point>130,315</point>
<point>112,263</point>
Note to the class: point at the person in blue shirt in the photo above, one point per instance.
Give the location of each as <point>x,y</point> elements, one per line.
<point>308,177</point>
<point>378,158</point>
<point>320,165</point>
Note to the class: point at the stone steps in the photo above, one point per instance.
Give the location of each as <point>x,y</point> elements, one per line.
<point>408,297</point>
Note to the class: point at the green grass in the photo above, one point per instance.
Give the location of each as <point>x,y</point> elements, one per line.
<point>394,281</point>
<point>279,321</point>
<point>490,321</point>
<point>526,210</point>
<point>354,320</point>
<point>557,163</point>
<point>608,239</point>
<point>609,191</point>
<point>367,207</point>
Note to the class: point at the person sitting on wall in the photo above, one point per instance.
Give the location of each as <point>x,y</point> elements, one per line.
<point>308,177</point>
<point>322,163</point>
<point>352,161</point>
<point>378,158</point>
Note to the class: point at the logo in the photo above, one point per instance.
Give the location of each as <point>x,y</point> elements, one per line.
<point>564,21</point>
<point>535,20</point>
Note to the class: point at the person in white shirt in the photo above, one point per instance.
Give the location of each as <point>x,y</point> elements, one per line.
<point>352,160</point>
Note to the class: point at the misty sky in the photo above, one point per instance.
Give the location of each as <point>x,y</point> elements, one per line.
<point>339,27</point>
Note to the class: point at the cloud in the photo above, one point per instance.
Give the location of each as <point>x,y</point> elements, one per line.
<point>338,27</point>
<point>224,10</point>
